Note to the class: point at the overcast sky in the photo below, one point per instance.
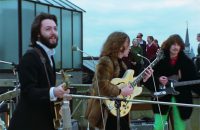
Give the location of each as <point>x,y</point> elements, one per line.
<point>159,18</point>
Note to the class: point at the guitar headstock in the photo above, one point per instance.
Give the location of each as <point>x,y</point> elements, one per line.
<point>160,54</point>
<point>65,78</point>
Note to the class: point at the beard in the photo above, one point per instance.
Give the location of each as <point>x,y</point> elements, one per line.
<point>47,41</point>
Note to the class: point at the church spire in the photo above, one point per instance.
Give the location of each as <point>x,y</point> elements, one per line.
<point>187,42</point>
<point>189,52</point>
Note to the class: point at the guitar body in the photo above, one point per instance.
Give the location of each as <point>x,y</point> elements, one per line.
<point>128,78</point>
<point>125,106</point>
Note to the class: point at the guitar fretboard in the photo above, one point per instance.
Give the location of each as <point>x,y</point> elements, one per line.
<point>140,76</point>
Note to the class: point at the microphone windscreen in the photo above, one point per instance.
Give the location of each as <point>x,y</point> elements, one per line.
<point>74,48</point>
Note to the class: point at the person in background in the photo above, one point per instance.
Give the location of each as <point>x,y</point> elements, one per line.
<point>35,109</point>
<point>142,43</point>
<point>110,66</point>
<point>137,61</point>
<point>198,40</point>
<point>155,42</point>
<point>197,58</point>
<point>174,66</point>
<point>151,48</point>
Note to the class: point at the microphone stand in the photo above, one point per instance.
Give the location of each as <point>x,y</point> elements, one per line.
<point>154,94</point>
<point>117,105</point>
<point>134,101</point>
<point>66,114</point>
<point>75,48</point>
<point>5,62</point>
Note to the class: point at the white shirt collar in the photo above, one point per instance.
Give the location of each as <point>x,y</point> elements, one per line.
<point>50,52</point>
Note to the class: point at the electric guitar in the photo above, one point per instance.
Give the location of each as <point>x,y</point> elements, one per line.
<point>170,87</point>
<point>128,78</point>
<point>57,121</point>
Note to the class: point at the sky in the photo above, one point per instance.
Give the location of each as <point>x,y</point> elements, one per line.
<point>158,18</point>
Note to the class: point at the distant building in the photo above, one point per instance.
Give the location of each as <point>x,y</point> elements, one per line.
<point>188,51</point>
<point>15,25</point>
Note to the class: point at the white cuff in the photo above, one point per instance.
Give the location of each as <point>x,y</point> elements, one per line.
<point>52,96</point>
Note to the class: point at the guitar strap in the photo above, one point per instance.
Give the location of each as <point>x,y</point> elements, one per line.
<point>44,63</point>
<point>56,121</point>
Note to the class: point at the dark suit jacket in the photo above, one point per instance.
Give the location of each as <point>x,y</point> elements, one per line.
<point>144,45</point>
<point>34,110</point>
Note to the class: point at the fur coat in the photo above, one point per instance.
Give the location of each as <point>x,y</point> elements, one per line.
<point>107,69</point>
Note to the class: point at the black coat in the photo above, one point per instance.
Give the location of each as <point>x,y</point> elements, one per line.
<point>188,72</point>
<point>34,110</point>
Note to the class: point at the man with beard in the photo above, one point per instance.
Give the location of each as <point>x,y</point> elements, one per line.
<point>37,78</point>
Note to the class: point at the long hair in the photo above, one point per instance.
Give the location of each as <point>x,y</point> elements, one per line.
<point>113,44</point>
<point>36,25</point>
<point>175,38</point>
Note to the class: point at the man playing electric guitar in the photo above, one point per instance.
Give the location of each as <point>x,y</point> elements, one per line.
<point>175,62</point>
<point>110,66</point>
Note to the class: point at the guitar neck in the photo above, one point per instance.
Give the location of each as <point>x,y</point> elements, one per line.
<point>184,83</point>
<point>140,76</point>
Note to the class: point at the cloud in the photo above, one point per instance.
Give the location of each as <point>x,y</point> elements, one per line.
<point>159,18</point>
<point>111,6</point>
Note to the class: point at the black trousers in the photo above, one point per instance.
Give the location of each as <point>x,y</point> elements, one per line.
<point>111,123</point>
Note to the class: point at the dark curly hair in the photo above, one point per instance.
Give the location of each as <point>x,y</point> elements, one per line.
<point>175,38</point>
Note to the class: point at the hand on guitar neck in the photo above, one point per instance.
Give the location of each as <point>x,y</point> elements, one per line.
<point>61,90</point>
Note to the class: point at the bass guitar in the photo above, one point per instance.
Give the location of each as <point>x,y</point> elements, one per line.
<point>128,78</point>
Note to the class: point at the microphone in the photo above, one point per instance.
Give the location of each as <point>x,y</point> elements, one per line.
<point>143,57</point>
<point>66,114</point>
<point>75,48</point>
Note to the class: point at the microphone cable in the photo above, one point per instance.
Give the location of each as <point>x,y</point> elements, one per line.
<point>75,48</point>
<point>154,84</point>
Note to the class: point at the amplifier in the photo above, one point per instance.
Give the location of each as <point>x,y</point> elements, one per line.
<point>144,125</point>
